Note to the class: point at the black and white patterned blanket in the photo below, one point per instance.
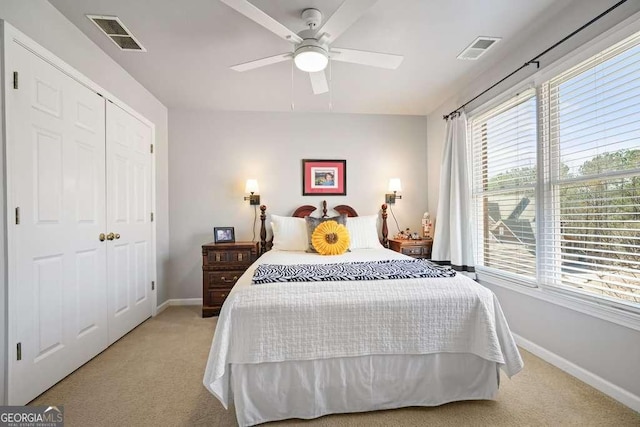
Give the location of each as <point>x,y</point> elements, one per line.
<point>368,270</point>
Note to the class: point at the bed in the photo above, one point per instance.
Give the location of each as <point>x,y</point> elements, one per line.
<point>312,348</point>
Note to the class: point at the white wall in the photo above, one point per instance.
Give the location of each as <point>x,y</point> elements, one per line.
<point>213,153</point>
<point>604,349</point>
<point>39,20</point>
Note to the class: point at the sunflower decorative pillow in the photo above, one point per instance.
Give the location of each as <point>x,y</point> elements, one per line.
<point>313,223</point>
<point>330,238</point>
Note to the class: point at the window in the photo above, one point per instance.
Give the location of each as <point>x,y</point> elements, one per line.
<point>587,240</point>
<point>591,115</point>
<point>504,171</point>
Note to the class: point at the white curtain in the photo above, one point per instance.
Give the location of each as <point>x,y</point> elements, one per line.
<point>453,239</point>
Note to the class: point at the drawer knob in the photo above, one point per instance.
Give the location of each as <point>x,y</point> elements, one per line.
<point>228,281</point>
<point>223,295</point>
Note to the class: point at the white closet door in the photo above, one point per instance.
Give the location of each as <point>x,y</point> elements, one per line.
<point>128,218</point>
<point>57,290</point>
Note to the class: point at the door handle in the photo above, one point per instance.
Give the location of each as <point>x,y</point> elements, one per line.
<point>117,236</point>
<point>110,236</point>
<point>101,237</point>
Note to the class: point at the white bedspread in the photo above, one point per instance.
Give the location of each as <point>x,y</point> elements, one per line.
<point>319,320</point>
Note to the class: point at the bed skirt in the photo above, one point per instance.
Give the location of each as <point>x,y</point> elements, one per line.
<point>309,389</point>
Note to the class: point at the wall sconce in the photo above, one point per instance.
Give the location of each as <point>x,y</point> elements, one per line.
<point>394,185</point>
<point>251,188</point>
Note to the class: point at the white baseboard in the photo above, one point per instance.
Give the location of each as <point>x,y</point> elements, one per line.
<point>162,307</point>
<point>599,383</point>
<point>178,301</point>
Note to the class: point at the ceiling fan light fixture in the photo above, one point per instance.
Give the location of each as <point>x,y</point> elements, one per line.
<point>311,59</point>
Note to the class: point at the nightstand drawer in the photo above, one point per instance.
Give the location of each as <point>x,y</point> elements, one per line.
<point>412,250</point>
<point>221,279</point>
<point>216,258</point>
<point>218,296</point>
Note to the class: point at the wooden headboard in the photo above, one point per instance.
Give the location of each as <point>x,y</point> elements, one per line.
<point>307,210</point>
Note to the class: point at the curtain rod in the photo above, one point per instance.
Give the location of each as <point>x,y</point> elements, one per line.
<point>535,60</point>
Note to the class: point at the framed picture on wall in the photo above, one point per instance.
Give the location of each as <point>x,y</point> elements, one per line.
<point>324,177</point>
<point>224,235</point>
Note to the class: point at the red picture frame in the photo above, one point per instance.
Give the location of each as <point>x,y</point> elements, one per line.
<point>324,177</point>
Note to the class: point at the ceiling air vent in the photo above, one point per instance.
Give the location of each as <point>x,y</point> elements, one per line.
<point>117,32</point>
<point>478,47</point>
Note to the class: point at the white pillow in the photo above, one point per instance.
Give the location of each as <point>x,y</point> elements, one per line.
<point>289,233</point>
<point>363,232</point>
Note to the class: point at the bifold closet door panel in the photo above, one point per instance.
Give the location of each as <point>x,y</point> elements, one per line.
<point>56,171</point>
<point>128,218</point>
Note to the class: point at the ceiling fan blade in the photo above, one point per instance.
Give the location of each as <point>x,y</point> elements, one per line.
<point>259,17</point>
<point>319,82</point>
<point>246,66</point>
<point>348,13</point>
<point>374,59</point>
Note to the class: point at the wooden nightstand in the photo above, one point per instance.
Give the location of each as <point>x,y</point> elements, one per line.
<point>413,248</point>
<point>222,265</point>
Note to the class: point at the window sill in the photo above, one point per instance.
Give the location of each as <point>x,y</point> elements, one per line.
<point>582,305</point>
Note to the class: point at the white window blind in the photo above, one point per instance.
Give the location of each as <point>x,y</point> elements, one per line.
<point>591,120</point>
<point>504,183</point>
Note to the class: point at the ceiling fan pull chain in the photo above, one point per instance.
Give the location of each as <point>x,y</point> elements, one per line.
<point>330,84</point>
<point>292,104</point>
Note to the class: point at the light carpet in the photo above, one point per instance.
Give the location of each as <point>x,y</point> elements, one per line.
<point>153,377</point>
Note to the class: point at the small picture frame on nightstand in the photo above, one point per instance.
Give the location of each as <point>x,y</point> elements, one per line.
<point>224,235</point>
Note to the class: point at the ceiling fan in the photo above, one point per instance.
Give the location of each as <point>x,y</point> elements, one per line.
<point>312,49</point>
